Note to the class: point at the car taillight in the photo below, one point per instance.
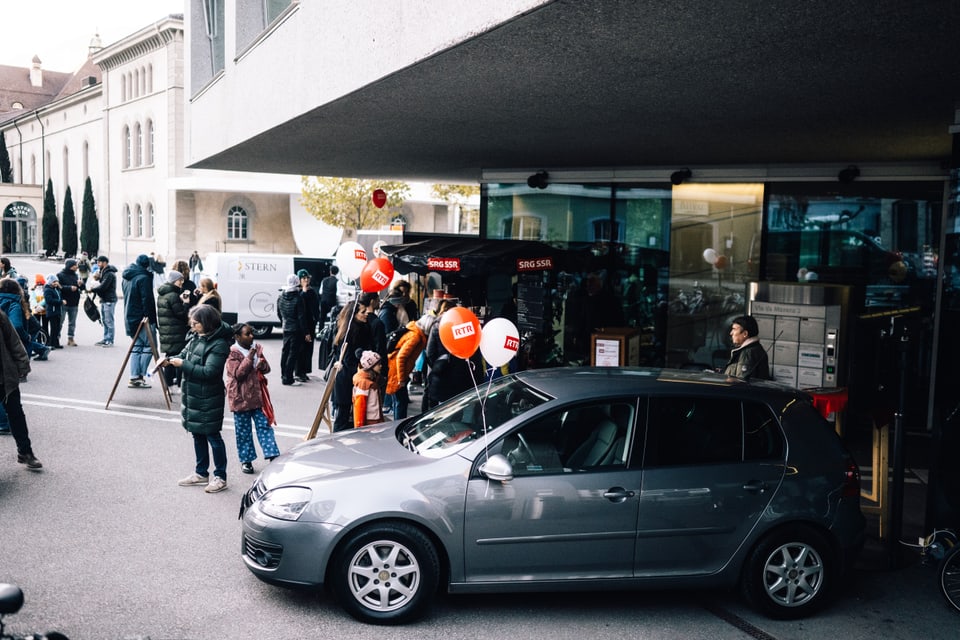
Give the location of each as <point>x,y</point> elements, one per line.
<point>851,480</point>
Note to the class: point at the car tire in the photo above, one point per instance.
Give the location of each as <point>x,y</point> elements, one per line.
<point>790,573</point>
<point>261,330</point>
<point>385,574</point>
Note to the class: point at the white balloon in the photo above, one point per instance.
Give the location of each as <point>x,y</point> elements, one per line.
<point>710,256</point>
<point>499,342</point>
<point>351,258</point>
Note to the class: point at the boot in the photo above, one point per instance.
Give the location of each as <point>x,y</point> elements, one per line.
<point>71,343</point>
<point>30,460</point>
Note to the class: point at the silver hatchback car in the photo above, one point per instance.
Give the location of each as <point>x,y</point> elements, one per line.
<point>567,479</point>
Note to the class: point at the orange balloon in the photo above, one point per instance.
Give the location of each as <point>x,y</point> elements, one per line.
<point>460,332</point>
<point>721,262</point>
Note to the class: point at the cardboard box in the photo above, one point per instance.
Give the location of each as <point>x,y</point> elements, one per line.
<point>615,347</point>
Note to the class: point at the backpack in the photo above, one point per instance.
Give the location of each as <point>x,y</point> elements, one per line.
<point>393,338</point>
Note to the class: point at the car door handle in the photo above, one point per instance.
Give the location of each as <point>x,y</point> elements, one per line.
<point>618,494</point>
<point>755,486</point>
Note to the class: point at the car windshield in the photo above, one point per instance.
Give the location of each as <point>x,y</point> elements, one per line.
<point>452,425</point>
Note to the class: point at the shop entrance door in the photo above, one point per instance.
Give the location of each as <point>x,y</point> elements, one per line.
<point>19,228</point>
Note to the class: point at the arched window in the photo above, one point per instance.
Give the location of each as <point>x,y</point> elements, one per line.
<point>149,142</point>
<point>150,221</point>
<point>123,88</point>
<point>236,223</point>
<point>86,159</point>
<point>139,222</point>
<point>127,221</point>
<point>143,81</point>
<point>149,78</point>
<point>33,169</point>
<point>126,147</point>
<point>136,83</point>
<point>47,165</point>
<point>138,144</point>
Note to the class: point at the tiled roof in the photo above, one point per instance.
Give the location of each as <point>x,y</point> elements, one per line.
<point>15,86</point>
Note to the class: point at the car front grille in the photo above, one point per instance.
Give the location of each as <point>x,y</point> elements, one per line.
<point>264,554</point>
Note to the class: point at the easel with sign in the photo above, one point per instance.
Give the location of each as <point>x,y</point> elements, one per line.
<point>143,326</point>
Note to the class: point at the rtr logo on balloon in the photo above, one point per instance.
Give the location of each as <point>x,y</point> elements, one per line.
<point>511,343</point>
<point>360,253</point>
<point>381,278</point>
<point>462,330</point>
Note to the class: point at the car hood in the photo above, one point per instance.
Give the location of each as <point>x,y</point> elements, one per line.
<point>340,454</point>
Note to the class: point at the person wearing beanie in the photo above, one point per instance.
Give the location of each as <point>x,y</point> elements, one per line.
<point>172,311</point>
<point>367,408</point>
<point>70,287</point>
<point>748,358</point>
<point>311,310</point>
<point>103,283</point>
<point>293,320</point>
<point>139,304</point>
<point>53,311</point>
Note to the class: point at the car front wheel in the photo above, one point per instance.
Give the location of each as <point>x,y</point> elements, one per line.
<point>790,573</point>
<point>386,574</point>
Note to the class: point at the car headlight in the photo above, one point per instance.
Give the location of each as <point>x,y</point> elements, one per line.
<point>285,503</point>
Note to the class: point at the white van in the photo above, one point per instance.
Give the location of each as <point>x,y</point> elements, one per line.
<point>249,284</point>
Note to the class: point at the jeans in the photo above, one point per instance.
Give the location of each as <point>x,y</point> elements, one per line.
<point>106,316</point>
<point>216,444</point>
<point>141,353</point>
<point>71,320</point>
<point>401,400</point>
<point>18,422</point>
<point>4,420</point>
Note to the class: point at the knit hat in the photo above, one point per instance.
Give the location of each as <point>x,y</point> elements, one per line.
<point>39,280</point>
<point>369,359</point>
<point>70,263</point>
<point>293,282</point>
<point>174,276</point>
<point>143,260</point>
<point>303,273</point>
<point>23,282</point>
<point>425,322</point>
<point>103,259</point>
<point>52,278</point>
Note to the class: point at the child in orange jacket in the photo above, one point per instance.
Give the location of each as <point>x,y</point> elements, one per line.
<point>367,407</point>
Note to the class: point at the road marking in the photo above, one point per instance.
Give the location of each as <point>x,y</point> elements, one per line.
<point>143,413</point>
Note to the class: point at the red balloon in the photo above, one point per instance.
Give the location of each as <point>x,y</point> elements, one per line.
<point>460,332</point>
<point>721,262</point>
<point>379,198</point>
<point>376,275</point>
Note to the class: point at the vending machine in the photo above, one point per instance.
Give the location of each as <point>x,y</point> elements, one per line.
<point>802,327</point>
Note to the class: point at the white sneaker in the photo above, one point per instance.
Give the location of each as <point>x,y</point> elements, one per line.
<point>217,484</point>
<point>193,480</point>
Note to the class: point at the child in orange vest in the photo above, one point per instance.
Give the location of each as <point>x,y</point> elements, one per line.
<point>367,407</point>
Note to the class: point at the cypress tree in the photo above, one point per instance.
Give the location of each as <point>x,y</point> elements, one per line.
<point>51,226</point>
<point>69,226</point>
<point>6,171</point>
<point>89,224</point>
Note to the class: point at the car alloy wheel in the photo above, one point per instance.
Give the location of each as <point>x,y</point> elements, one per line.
<point>789,573</point>
<point>386,574</point>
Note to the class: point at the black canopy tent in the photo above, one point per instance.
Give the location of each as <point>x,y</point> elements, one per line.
<point>477,257</point>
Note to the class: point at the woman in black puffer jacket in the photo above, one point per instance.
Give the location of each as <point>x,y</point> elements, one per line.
<point>204,396</point>
<point>172,326</point>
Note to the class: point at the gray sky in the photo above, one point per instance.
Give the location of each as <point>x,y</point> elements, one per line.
<point>59,31</point>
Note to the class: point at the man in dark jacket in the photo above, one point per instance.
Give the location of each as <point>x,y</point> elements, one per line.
<point>748,358</point>
<point>70,291</point>
<point>138,304</point>
<point>105,286</point>
<point>328,294</point>
<point>293,317</point>
<point>311,309</point>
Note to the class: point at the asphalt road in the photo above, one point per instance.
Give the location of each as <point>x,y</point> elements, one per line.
<point>107,546</point>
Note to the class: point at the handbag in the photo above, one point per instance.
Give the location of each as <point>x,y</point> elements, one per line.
<point>267,403</point>
<point>90,308</point>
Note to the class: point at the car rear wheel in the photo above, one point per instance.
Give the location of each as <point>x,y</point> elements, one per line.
<point>790,573</point>
<point>386,574</point>
<point>261,330</point>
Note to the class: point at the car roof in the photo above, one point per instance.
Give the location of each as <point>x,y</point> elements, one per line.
<point>577,383</point>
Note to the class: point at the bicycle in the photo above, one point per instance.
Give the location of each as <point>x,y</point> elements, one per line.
<point>11,600</point>
<point>942,548</point>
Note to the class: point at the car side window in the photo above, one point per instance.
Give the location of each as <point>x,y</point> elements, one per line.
<point>762,437</point>
<point>686,430</point>
<point>580,438</point>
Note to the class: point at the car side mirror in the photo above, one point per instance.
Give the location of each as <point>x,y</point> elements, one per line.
<point>497,467</point>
